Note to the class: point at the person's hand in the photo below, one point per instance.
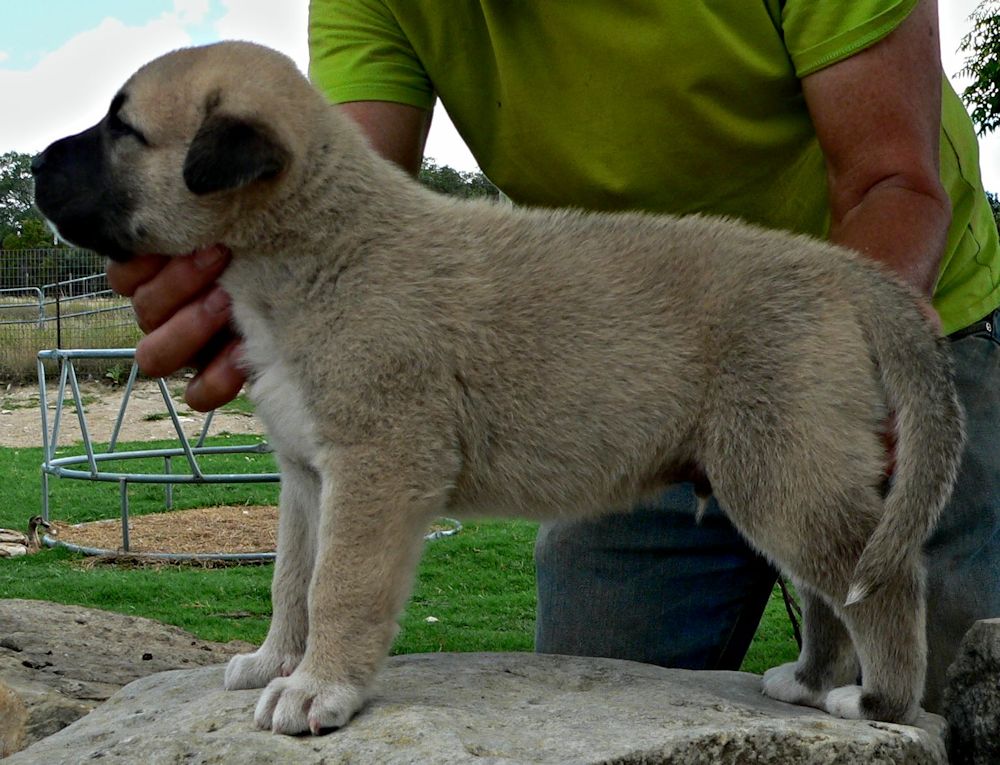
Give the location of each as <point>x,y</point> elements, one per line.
<point>185,316</point>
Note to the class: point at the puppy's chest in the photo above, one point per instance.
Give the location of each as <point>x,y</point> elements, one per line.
<point>276,388</point>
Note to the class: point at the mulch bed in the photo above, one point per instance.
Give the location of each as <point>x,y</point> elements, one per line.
<point>227,529</point>
<point>224,529</point>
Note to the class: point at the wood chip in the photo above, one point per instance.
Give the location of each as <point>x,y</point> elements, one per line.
<point>223,529</point>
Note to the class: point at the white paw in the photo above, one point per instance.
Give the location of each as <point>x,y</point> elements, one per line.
<point>780,683</point>
<point>845,702</point>
<point>301,703</point>
<point>257,669</point>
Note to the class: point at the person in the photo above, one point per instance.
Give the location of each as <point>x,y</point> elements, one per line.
<point>825,118</point>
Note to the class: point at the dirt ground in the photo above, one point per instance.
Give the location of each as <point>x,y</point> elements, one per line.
<point>239,529</point>
<point>145,415</point>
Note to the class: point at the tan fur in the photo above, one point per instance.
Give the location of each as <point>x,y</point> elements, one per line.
<point>414,356</point>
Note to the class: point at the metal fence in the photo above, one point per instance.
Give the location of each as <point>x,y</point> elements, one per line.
<point>57,298</point>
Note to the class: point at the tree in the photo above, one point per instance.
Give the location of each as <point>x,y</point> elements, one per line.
<point>448,180</point>
<point>33,234</point>
<point>16,193</point>
<point>982,48</point>
<point>995,206</point>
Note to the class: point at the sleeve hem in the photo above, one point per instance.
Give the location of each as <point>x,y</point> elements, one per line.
<point>853,41</point>
<point>399,94</point>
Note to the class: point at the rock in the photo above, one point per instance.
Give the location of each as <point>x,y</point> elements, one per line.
<point>972,699</point>
<point>490,708</point>
<point>62,661</point>
<point>13,722</point>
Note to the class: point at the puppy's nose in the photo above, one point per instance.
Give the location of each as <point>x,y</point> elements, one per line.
<point>38,163</point>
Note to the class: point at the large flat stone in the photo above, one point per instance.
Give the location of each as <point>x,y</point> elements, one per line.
<point>13,721</point>
<point>490,708</point>
<point>972,701</point>
<point>61,661</point>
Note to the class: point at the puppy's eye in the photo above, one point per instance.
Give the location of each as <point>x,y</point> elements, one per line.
<point>119,128</point>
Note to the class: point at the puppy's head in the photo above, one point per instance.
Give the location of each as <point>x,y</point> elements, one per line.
<point>194,144</point>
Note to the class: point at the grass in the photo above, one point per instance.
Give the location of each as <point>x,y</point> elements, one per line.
<point>474,591</point>
<point>69,404</point>
<point>240,404</point>
<point>158,416</point>
<point>81,501</point>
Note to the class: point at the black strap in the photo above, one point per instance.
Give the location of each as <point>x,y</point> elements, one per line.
<point>987,326</point>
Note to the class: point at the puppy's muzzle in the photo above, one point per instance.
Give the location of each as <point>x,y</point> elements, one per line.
<point>75,191</point>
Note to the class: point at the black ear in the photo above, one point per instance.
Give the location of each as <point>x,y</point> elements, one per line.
<point>228,153</point>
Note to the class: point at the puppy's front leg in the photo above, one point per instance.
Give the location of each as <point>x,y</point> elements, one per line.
<point>298,524</point>
<point>370,540</point>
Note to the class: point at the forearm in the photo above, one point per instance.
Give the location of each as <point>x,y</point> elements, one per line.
<point>877,115</point>
<point>901,226</point>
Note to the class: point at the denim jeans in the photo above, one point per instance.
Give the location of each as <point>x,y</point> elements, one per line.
<point>654,586</point>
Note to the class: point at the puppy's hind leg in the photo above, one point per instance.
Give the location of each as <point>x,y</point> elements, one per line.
<point>889,632</point>
<point>298,522</point>
<point>827,659</point>
<point>810,504</point>
<point>886,628</point>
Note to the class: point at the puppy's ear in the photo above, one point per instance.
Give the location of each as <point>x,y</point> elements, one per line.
<point>228,153</point>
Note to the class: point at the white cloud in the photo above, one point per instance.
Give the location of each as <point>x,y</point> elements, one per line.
<point>444,144</point>
<point>279,25</point>
<point>70,88</point>
<point>191,11</point>
<point>4,55</point>
<point>953,25</point>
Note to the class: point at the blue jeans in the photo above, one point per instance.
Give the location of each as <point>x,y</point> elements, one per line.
<point>654,586</point>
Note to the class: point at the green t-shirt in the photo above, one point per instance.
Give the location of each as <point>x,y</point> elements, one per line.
<point>647,104</point>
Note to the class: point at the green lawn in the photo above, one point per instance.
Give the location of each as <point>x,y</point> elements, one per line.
<point>477,588</point>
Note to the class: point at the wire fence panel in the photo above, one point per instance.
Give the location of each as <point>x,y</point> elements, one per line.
<point>57,298</point>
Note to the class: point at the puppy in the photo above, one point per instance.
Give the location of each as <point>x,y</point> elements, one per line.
<point>413,355</point>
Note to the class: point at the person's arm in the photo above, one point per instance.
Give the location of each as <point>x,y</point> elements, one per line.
<point>877,115</point>
<point>878,118</point>
<point>186,315</point>
<point>396,131</point>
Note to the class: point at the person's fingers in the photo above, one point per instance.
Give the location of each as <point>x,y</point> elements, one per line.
<point>186,319</point>
<point>178,341</point>
<point>125,276</point>
<point>175,285</point>
<point>219,382</point>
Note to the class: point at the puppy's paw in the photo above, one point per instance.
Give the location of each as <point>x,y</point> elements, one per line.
<point>257,669</point>
<point>302,703</point>
<point>845,702</point>
<point>780,683</point>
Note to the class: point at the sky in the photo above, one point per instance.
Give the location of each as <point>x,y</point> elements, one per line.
<point>61,61</point>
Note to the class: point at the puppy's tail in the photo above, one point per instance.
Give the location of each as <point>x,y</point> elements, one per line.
<point>916,373</point>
